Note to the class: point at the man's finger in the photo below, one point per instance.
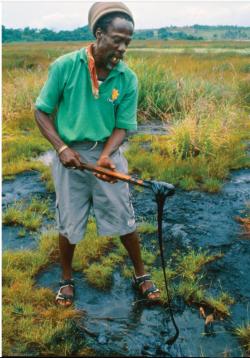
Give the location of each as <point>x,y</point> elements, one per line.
<point>106,178</point>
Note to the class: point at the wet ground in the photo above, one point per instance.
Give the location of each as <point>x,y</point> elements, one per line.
<point>115,323</point>
<point>25,187</point>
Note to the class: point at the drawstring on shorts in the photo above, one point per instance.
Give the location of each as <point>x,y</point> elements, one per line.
<point>93,147</point>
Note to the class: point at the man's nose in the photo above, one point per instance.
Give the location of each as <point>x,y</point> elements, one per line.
<point>122,48</point>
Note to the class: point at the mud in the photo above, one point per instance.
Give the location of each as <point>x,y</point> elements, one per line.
<point>116,322</point>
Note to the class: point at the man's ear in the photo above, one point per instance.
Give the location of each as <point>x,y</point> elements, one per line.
<point>98,33</point>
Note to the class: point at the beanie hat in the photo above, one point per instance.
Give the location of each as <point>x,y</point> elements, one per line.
<point>99,9</point>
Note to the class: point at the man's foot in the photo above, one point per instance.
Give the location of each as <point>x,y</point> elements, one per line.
<point>65,294</point>
<point>146,288</point>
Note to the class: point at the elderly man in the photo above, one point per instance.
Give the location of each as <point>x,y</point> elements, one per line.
<point>94,94</point>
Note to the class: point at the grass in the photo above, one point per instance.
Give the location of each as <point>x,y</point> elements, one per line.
<point>30,216</point>
<point>198,152</point>
<point>146,228</point>
<point>97,257</point>
<point>203,95</point>
<point>191,263</point>
<point>31,321</point>
<point>243,334</point>
<point>185,277</point>
<point>204,98</point>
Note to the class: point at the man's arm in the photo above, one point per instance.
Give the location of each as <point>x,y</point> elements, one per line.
<point>112,144</point>
<point>68,157</point>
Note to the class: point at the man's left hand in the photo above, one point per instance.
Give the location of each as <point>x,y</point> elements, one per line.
<point>106,162</point>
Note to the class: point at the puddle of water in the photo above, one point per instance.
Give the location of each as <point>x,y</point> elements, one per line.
<point>154,129</point>
<point>13,241</point>
<point>207,219</point>
<point>25,185</point>
<point>121,326</point>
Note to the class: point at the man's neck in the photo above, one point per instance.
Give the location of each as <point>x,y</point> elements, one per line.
<point>101,70</point>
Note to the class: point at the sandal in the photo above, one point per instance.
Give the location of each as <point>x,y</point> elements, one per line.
<point>62,296</point>
<point>138,281</point>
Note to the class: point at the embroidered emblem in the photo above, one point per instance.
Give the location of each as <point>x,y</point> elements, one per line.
<point>114,95</point>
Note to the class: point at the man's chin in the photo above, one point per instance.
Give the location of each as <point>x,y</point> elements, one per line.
<point>112,62</point>
<point>110,65</point>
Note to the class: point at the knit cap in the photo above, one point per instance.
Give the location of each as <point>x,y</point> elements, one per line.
<point>99,9</point>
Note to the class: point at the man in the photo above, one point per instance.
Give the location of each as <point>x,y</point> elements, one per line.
<point>95,95</point>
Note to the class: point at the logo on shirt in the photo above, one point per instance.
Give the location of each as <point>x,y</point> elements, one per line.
<point>114,95</point>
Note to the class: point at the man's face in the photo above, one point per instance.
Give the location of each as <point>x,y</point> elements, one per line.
<point>113,43</point>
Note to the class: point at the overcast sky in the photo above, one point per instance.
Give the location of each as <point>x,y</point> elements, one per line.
<point>68,15</point>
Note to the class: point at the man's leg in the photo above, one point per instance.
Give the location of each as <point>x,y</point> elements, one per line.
<point>66,257</point>
<point>132,245</point>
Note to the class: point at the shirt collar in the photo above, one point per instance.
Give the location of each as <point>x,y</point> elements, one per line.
<point>83,55</point>
<point>120,67</point>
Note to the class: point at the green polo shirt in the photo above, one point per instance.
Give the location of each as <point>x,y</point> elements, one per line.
<point>79,115</point>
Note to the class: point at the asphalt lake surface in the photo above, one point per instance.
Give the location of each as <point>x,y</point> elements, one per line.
<point>115,324</point>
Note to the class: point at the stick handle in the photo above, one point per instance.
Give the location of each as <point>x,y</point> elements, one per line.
<point>112,174</point>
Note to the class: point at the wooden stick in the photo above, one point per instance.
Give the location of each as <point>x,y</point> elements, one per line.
<point>113,174</point>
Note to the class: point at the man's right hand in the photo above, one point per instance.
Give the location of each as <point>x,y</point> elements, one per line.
<point>70,158</point>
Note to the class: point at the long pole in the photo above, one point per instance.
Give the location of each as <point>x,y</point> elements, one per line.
<point>114,174</point>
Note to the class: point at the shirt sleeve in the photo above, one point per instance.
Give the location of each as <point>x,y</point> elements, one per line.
<point>126,115</point>
<point>49,96</point>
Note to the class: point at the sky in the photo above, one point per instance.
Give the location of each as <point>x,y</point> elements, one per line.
<point>68,15</point>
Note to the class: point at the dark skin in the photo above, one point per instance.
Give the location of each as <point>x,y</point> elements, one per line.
<point>109,48</point>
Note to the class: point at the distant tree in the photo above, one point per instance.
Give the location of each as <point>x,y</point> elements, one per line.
<point>165,33</point>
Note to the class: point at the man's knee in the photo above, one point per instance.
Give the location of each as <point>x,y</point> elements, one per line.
<point>130,236</point>
<point>63,240</point>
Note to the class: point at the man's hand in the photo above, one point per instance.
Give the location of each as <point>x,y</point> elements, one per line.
<point>106,162</point>
<point>70,158</point>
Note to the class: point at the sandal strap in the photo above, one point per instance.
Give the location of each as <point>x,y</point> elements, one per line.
<point>70,282</point>
<point>141,279</point>
<point>63,296</point>
<point>152,289</point>
<point>61,287</point>
<point>138,281</point>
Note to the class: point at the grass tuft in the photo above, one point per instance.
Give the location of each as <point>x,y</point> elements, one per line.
<point>28,215</point>
<point>243,333</point>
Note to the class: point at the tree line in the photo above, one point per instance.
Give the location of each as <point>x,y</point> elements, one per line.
<point>200,32</point>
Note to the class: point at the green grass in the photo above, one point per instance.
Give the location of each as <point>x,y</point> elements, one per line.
<point>204,98</point>
<point>31,321</point>
<point>204,95</point>
<point>98,258</point>
<point>243,334</point>
<point>185,277</point>
<point>212,185</point>
<point>146,228</point>
<point>221,303</point>
<point>188,183</point>
<point>199,151</point>
<point>30,215</point>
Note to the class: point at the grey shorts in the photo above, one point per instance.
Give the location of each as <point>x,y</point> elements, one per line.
<point>77,191</point>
